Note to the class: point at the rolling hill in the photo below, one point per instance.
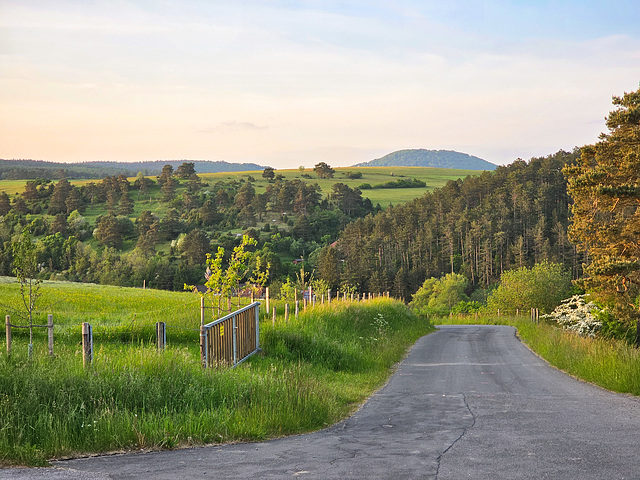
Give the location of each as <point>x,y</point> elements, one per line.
<point>31,169</point>
<point>430,158</point>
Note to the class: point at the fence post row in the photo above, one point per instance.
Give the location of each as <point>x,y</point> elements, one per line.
<point>48,326</point>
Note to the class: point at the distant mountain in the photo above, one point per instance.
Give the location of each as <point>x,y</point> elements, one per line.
<point>31,169</point>
<point>430,158</point>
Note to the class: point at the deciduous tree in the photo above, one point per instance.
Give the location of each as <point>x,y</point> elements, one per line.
<point>323,170</point>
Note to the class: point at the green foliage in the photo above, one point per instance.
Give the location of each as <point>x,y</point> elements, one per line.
<point>467,307</point>
<point>606,214</point>
<point>222,282</point>
<point>323,170</point>
<point>402,183</point>
<point>543,286</point>
<point>25,268</point>
<point>288,290</point>
<point>437,296</point>
<point>480,227</point>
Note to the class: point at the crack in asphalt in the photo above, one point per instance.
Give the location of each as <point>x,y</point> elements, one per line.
<point>464,432</point>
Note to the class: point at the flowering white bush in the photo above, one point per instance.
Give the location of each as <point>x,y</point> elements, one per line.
<point>576,314</point>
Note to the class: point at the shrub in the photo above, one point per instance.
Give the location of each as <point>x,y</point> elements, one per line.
<point>543,286</point>
<point>577,315</point>
<point>437,296</point>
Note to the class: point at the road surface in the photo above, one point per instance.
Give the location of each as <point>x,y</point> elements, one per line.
<point>467,402</point>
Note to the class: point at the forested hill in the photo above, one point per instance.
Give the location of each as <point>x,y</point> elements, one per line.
<point>479,226</point>
<point>32,169</point>
<point>430,158</point>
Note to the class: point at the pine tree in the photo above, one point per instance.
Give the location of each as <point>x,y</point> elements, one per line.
<point>125,206</point>
<point>605,186</point>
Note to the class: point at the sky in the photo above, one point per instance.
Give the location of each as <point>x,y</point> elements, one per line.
<point>292,83</point>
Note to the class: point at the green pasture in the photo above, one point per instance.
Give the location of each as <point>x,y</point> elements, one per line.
<point>11,187</point>
<point>311,372</point>
<point>433,177</point>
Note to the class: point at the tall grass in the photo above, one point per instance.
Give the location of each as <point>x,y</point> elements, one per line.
<point>610,363</point>
<point>311,372</point>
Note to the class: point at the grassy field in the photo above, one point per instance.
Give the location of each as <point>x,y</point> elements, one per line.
<point>12,186</point>
<point>311,373</point>
<point>433,177</point>
<point>609,363</point>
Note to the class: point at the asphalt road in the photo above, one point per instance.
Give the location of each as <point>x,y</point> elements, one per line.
<point>467,402</point>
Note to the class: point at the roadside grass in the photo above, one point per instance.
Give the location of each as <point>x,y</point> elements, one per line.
<point>610,363</point>
<point>311,372</point>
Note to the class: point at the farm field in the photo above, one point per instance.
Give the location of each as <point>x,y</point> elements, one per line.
<point>433,177</point>
<point>311,372</point>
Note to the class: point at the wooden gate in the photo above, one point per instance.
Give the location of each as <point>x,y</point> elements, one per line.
<point>232,339</point>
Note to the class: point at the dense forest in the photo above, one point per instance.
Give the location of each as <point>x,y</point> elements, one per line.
<point>481,226</point>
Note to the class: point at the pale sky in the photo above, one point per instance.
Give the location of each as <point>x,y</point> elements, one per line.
<point>290,83</point>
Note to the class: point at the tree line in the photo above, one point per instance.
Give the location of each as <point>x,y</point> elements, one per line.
<point>480,227</point>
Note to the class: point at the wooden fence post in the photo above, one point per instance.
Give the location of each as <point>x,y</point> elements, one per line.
<point>8,324</point>
<point>203,346</point>
<point>161,335</point>
<point>273,319</point>
<point>297,309</point>
<point>87,344</point>
<point>50,325</point>
<point>286,312</point>
<point>267,299</point>
<point>329,296</point>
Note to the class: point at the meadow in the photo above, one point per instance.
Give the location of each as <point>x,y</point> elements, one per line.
<point>433,177</point>
<point>311,372</point>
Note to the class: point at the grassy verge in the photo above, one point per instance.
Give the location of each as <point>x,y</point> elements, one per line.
<point>611,364</point>
<point>311,373</point>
